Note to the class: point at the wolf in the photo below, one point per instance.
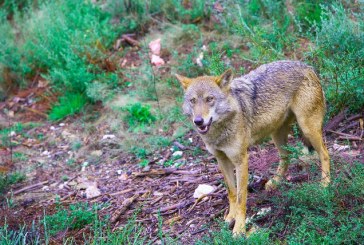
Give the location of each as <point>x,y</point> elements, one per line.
<point>231,114</point>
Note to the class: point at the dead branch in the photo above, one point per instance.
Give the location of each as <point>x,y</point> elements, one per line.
<point>125,205</point>
<point>29,187</point>
<point>335,121</point>
<point>345,136</point>
<point>35,111</point>
<point>127,38</point>
<point>179,205</point>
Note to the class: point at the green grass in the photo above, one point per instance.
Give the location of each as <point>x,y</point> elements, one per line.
<point>77,216</point>
<point>6,180</point>
<point>68,105</point>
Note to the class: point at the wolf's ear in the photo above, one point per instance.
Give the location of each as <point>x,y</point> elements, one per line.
<point>185,81</point>
<point>224,80</point>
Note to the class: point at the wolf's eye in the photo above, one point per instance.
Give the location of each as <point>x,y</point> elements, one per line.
<point>193,101</point>
<point>209,99</point>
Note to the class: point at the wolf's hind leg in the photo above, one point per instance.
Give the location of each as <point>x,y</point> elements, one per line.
<point>280,139</point>
<point>312,129</point>
<point>227,169</point>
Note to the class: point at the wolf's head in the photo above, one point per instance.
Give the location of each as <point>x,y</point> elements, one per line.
<point>207,99</point>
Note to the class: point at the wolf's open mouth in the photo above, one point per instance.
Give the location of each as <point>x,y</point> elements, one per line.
<point>204,128</point>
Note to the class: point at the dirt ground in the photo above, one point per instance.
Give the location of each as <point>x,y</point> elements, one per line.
<point>150,192</point>
<point>81,160</point>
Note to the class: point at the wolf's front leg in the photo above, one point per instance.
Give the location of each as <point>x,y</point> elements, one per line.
<point>227,169</point>
<point>242,175</point>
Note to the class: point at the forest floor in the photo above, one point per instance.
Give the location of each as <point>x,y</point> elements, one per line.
<point>79,160</point>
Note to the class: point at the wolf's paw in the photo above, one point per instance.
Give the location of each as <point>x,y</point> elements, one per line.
<point>325,182</point>
<point>239,228</point>
<point>229,217</point>
<point>271,185</point>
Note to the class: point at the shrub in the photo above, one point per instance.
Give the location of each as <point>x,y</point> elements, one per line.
<point>318,215</point>
<point>64,41</point>
<point>339,56</point>
<point>138,114</point>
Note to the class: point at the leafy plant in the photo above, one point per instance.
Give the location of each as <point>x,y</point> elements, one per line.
<point>138,114</point>
<point>339,56</point>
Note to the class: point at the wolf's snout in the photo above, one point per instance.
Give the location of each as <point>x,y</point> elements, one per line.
<point>198,121</point>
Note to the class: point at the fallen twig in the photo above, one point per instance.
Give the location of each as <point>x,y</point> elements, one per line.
<point>175,206</point>
<point>125,205</point>
<point>345,136</point>
<point>29,187</point>
<point>335,121</point>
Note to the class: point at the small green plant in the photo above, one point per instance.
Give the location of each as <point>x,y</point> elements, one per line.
<point>68,105</point>
<point>76,145</point>
<point>225,236</point>
<point>144,163</point>
<point>138,114</point>
<point>75,217</point>
<point>9,179</point>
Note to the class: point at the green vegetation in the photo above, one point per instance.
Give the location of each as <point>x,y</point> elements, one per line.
<point>73,45</point>
<point>139,114</point>
<point>76,217</point>
<point>68,105</point>
<point>6,180</point>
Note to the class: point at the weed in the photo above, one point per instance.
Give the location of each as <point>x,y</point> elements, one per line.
<point>76,145</point>
<point>68,105</point>
<point>76,217</point>
<point>224,236</point>
<point>19,156</point>
<point>9,179</point>
<point>143,163</point>
<point>21,236</point>
<point>130,233</point>
<point>138,114</point>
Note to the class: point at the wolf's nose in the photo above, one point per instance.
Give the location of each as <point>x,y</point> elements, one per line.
<point>198,121</point>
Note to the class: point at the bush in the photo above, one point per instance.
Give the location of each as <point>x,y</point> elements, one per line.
<point>318,215</point>
<point>339,56</point>
<point>65,41</point>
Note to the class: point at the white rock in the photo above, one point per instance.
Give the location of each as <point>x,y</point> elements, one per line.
<point>156,60</point>
<point>96,153</point>
<point>92,191</point>
<point>62,124</point>
<point>45,188</point>
<point>53,128</point>
<point>177,153</point>
<point>119,171</point>
<point>338,147</point>
<point>61,186</point>
<point>199,60</point>
<point>264,211</point>
<point>84,165</point>
<point>203,189</point>
<point>108,136</point>
<point>12,134</point>
<point>155,46</point>
<point>157,193</point>
<point>190,140</point>
<point>45,153</point>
